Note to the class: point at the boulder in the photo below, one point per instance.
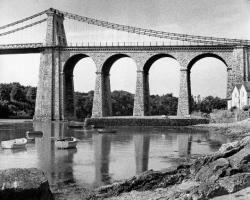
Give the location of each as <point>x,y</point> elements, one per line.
<point>212,171</point>
<point>243,156</point>
<point>24,184</point>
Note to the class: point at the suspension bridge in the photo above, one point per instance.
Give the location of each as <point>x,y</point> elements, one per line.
<point>106,42</point>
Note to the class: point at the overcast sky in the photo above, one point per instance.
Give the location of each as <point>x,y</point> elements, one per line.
<point>223,18</point>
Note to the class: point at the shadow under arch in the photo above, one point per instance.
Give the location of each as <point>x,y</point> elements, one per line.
<point>68,90</point>
<point>105,70</point>
<point>146,69</point>
<point>192,63</point>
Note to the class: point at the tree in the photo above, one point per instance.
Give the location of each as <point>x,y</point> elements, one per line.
<point>122,103</point>
<point>163,105</point>
<point>5,90</point>
<point>208,104</point>
<point>84,103</point>
<point>31,94</point>
<point>5,112</point>
<point>17,93</point>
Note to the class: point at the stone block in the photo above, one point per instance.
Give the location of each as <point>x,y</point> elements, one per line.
<point>24,184</point>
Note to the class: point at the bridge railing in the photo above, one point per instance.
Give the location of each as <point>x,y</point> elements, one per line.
<point>146,43</point>
<point>108,44</point>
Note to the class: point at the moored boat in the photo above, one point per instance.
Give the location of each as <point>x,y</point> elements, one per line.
<point>66,143</point>
<point>34,134</point>
<point>106,130</point>
<point>14,144</point>
<point>75,126</point>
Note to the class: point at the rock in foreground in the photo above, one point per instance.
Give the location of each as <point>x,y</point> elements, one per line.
<point>24,184</point>
<point>224,172</point>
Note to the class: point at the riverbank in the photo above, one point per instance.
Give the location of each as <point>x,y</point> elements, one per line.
<point>234,130</point>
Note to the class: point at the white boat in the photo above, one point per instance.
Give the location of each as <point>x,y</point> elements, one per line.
<point>66,143</point>
<point>14,144</point>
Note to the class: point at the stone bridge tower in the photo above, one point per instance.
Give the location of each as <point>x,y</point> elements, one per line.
<point>50,87</point>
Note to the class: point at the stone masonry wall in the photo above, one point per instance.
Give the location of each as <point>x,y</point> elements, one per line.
<point>233,57</point>
<point>49,90</point>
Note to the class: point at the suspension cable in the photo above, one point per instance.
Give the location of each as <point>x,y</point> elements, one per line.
<point>154,33</point>
<point>129,29</point>
<point>23,27</point>
<point>23,20</point>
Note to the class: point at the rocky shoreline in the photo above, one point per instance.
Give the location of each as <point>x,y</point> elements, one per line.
<point>224,172</point>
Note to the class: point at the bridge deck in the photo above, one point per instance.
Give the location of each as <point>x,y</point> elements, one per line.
<point>38,47</point>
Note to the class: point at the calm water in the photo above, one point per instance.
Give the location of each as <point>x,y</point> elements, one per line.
<point>102,159</point>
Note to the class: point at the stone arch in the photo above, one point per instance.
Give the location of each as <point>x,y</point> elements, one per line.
<point>194,61</point>
<point>205,55</point>
<point>153,59</point>
<point>68,85</point>
<point>106,89</point>
<point>110,61</point>
<point>145,75</point>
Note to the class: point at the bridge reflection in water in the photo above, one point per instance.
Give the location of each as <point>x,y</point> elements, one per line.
<point>102,159</point>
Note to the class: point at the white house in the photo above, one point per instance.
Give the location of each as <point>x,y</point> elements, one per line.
<point>245,94</point>
<point>240,96</point>
<point>234,99</point>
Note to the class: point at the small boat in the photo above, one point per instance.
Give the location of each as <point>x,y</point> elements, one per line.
<point>66,143</point>
<point>105,130</point>
<point>34,134</point>
<point>14,144</point>
<point>75,126</point>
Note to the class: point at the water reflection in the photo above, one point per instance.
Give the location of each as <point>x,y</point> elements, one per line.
<point>56,163</point>
<point>101,159</point>
<point>102,145</point>
<point>142,143</point>
<point>45,149</point>
<point>184,145</point>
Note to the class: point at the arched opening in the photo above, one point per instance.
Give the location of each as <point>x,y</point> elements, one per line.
<point>18,82</point>
<point>163,84</point>
<point>207,82</point>
<point>79,80</point>
<point>119,73</point>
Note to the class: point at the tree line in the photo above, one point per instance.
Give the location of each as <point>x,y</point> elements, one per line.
<point>17,101</point>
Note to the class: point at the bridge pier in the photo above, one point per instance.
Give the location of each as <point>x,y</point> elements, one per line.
<point>102,106</point>
<point>184,93</point>
<point>141,99</point>
<point>49,98</point>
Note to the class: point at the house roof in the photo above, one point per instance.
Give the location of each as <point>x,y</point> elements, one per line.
<point>238,86</point>
<point>247,86</point>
